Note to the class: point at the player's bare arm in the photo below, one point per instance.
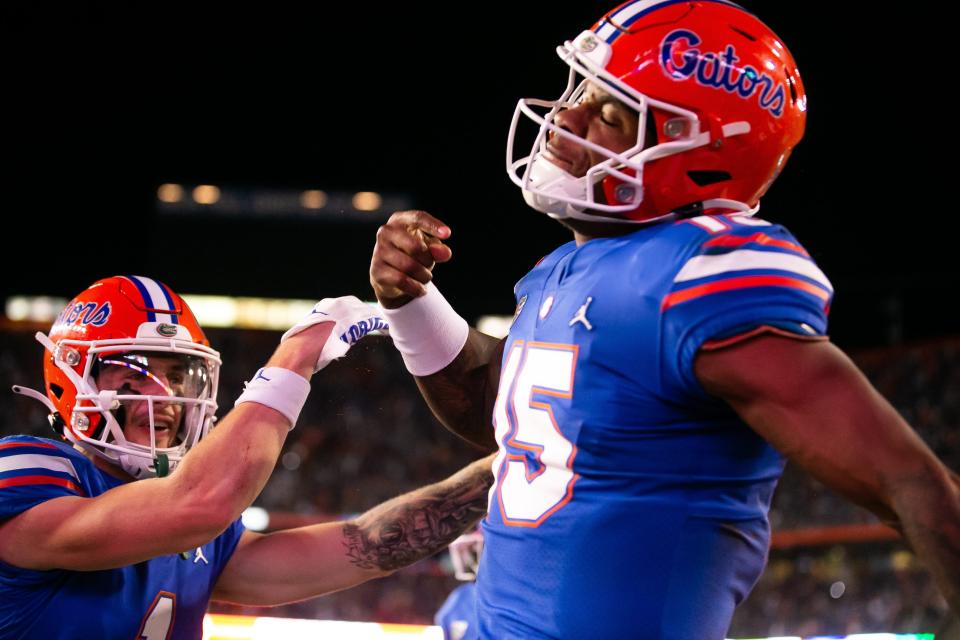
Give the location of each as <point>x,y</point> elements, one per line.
<point>813,404</point>
<point>462,394</point>
<point>212,486</point>
<point>309,561</point>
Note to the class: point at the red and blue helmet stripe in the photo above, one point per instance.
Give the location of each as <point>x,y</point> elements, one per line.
<point>613,25</point>
<point>156,299</point>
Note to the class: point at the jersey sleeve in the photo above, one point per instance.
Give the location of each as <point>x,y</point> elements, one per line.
<point>33,471</point>
<point>735,285</point>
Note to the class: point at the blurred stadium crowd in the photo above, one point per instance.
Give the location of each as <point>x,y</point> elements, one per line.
<point>365,436</point>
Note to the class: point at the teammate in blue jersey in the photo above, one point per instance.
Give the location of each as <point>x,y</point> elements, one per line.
<point>457,616</point>
<point>663,364</point>
<point>130,525</point>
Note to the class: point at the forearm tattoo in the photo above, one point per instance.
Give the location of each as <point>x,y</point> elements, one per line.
<point>416,525</point>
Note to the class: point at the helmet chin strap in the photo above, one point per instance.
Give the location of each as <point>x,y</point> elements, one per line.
<point>136,466</point>
<point>162,464</point>
<point>139,467</point>
<point>555,190</point>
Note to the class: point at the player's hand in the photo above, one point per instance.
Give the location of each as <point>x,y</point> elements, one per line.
<point>351,318</point>
<point>408,246</point>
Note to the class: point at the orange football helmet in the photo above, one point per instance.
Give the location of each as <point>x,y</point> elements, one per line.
<point>127,354</point>
<point>720,106</point>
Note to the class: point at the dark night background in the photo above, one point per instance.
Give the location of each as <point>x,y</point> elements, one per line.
<point>103,104</point>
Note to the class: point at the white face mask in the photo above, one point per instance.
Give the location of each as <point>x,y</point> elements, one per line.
<point>158,403</point>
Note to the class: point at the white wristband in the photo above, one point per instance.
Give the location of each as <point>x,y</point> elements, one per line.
<point>279,389</point>
<point>427,331</point>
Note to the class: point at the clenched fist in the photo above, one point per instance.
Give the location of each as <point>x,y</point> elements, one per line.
<point>408,246</point>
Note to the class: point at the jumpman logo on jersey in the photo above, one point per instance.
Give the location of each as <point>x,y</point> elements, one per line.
<point>198,556</point>
<point>260,376</point>
<point>581,315</point>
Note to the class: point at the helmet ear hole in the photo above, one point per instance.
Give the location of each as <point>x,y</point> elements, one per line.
<point>56,390</point>
<point>705,178</point>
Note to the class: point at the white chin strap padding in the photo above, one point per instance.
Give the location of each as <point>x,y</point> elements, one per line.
<point>551,188</point>
<point>137,466</point>
<point>546,175</point>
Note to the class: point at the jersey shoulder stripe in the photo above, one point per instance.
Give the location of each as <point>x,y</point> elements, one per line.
<point>744,282</point>
<point>33,462</point>
<point>20,443</point>
<point>757,240</point>
<point>736,256</point>
<point>47,479</point>
<point>731,263</point>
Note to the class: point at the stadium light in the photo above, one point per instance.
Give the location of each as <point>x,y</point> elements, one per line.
<point>206,194</point>
<point>170,193</point>
<point>367,201</point>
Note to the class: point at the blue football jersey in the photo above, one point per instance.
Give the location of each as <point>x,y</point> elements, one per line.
<point>628,502</point>
<point>161,599</point>
<point>457,616</point>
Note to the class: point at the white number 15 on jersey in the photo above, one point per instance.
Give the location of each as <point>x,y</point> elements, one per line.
<point>524,426</point>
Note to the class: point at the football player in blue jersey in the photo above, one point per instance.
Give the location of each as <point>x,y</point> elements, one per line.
<point>663,365</point>
<point>131,526</point>
<point>457,616</point>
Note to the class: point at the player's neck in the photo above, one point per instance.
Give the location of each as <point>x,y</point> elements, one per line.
<point>107,467</point>
<point>584,231</point>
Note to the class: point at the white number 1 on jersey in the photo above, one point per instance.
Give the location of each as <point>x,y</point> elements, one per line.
<point>158,620</point>
<point>526,426</point>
